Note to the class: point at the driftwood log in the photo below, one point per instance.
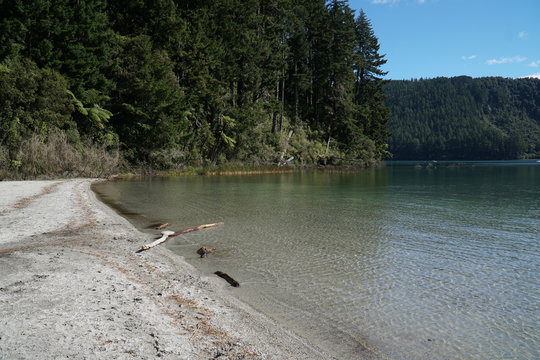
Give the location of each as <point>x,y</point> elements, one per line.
<point>167,234</point>
<point>229,279</point>
<point>204,251</point>
<point>162,226</point>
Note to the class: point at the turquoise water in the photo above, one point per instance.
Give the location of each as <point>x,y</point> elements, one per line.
<point>404,262</point>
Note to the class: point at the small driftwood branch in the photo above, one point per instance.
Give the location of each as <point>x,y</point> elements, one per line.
<point>200,227</point>
<point>167,234</point>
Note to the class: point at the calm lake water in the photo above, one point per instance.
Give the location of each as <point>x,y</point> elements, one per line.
<point>410,263</point>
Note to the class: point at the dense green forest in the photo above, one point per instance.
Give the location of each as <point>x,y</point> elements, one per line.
<point>464,118</point>
<point>176,83</point>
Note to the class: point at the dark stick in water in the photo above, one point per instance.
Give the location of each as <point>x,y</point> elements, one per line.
<point>229,279</point>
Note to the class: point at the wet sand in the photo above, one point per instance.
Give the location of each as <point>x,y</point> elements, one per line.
<point>73,286</point>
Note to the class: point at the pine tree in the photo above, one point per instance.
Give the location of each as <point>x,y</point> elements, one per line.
<point>159,19</point>
<point>372,113</point>
<point>299,72</point>
<point>339,98</point>
<point>147,102</point>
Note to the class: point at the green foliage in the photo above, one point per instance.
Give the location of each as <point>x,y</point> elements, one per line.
<point>94,122</point>
<point>464,118</point>
<point>147,101</point>
<point>372,115</point>
<point>32,101</point>
<point>181,83</point>
<point>307,151</point>
<point>71,37</point>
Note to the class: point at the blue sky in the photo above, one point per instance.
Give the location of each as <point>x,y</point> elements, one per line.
<point>430,38</point>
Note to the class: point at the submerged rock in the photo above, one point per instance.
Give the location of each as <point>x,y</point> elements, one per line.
<point>204,251</point>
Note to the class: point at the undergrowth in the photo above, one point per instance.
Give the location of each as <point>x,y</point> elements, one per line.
<point>40,157</point>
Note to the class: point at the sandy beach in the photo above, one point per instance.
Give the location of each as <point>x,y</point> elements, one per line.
<point>73,287</point>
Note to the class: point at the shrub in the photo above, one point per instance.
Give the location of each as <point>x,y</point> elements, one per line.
<point>55,156</point>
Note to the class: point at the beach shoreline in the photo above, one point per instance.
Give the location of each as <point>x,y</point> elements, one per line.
<point>73,286</point>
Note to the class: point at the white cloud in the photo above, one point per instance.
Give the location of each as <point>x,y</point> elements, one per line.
<point>378,2</point>
<point>472,57</point>
<point>535,63</point>
<point>522,34</point>
<point>534,76</point>
<point>506,60</point>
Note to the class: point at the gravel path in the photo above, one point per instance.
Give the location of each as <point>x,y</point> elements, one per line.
<point>72,287</point>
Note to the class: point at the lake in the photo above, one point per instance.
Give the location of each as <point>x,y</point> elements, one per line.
<point>407,262</point>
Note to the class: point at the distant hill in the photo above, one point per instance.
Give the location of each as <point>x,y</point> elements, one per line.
<point>464,118</point>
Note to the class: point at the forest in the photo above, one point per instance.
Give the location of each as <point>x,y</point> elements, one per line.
<point>462,118</point>
<point>88,85</point>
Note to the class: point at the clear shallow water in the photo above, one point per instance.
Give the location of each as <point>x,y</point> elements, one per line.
<point>440,263</point>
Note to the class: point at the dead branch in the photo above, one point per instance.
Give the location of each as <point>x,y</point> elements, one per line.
<point>167,234</point>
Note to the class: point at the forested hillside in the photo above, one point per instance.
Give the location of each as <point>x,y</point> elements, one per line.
<point>174,83</point>
<point>464,118</point>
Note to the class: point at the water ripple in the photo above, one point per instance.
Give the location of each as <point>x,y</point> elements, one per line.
<point>444,265</point>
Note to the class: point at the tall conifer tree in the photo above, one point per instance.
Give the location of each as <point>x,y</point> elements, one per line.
<point>339,99</point>
<point>372,115</point>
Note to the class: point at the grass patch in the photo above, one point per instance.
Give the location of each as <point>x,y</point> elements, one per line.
<point>40,157</point>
